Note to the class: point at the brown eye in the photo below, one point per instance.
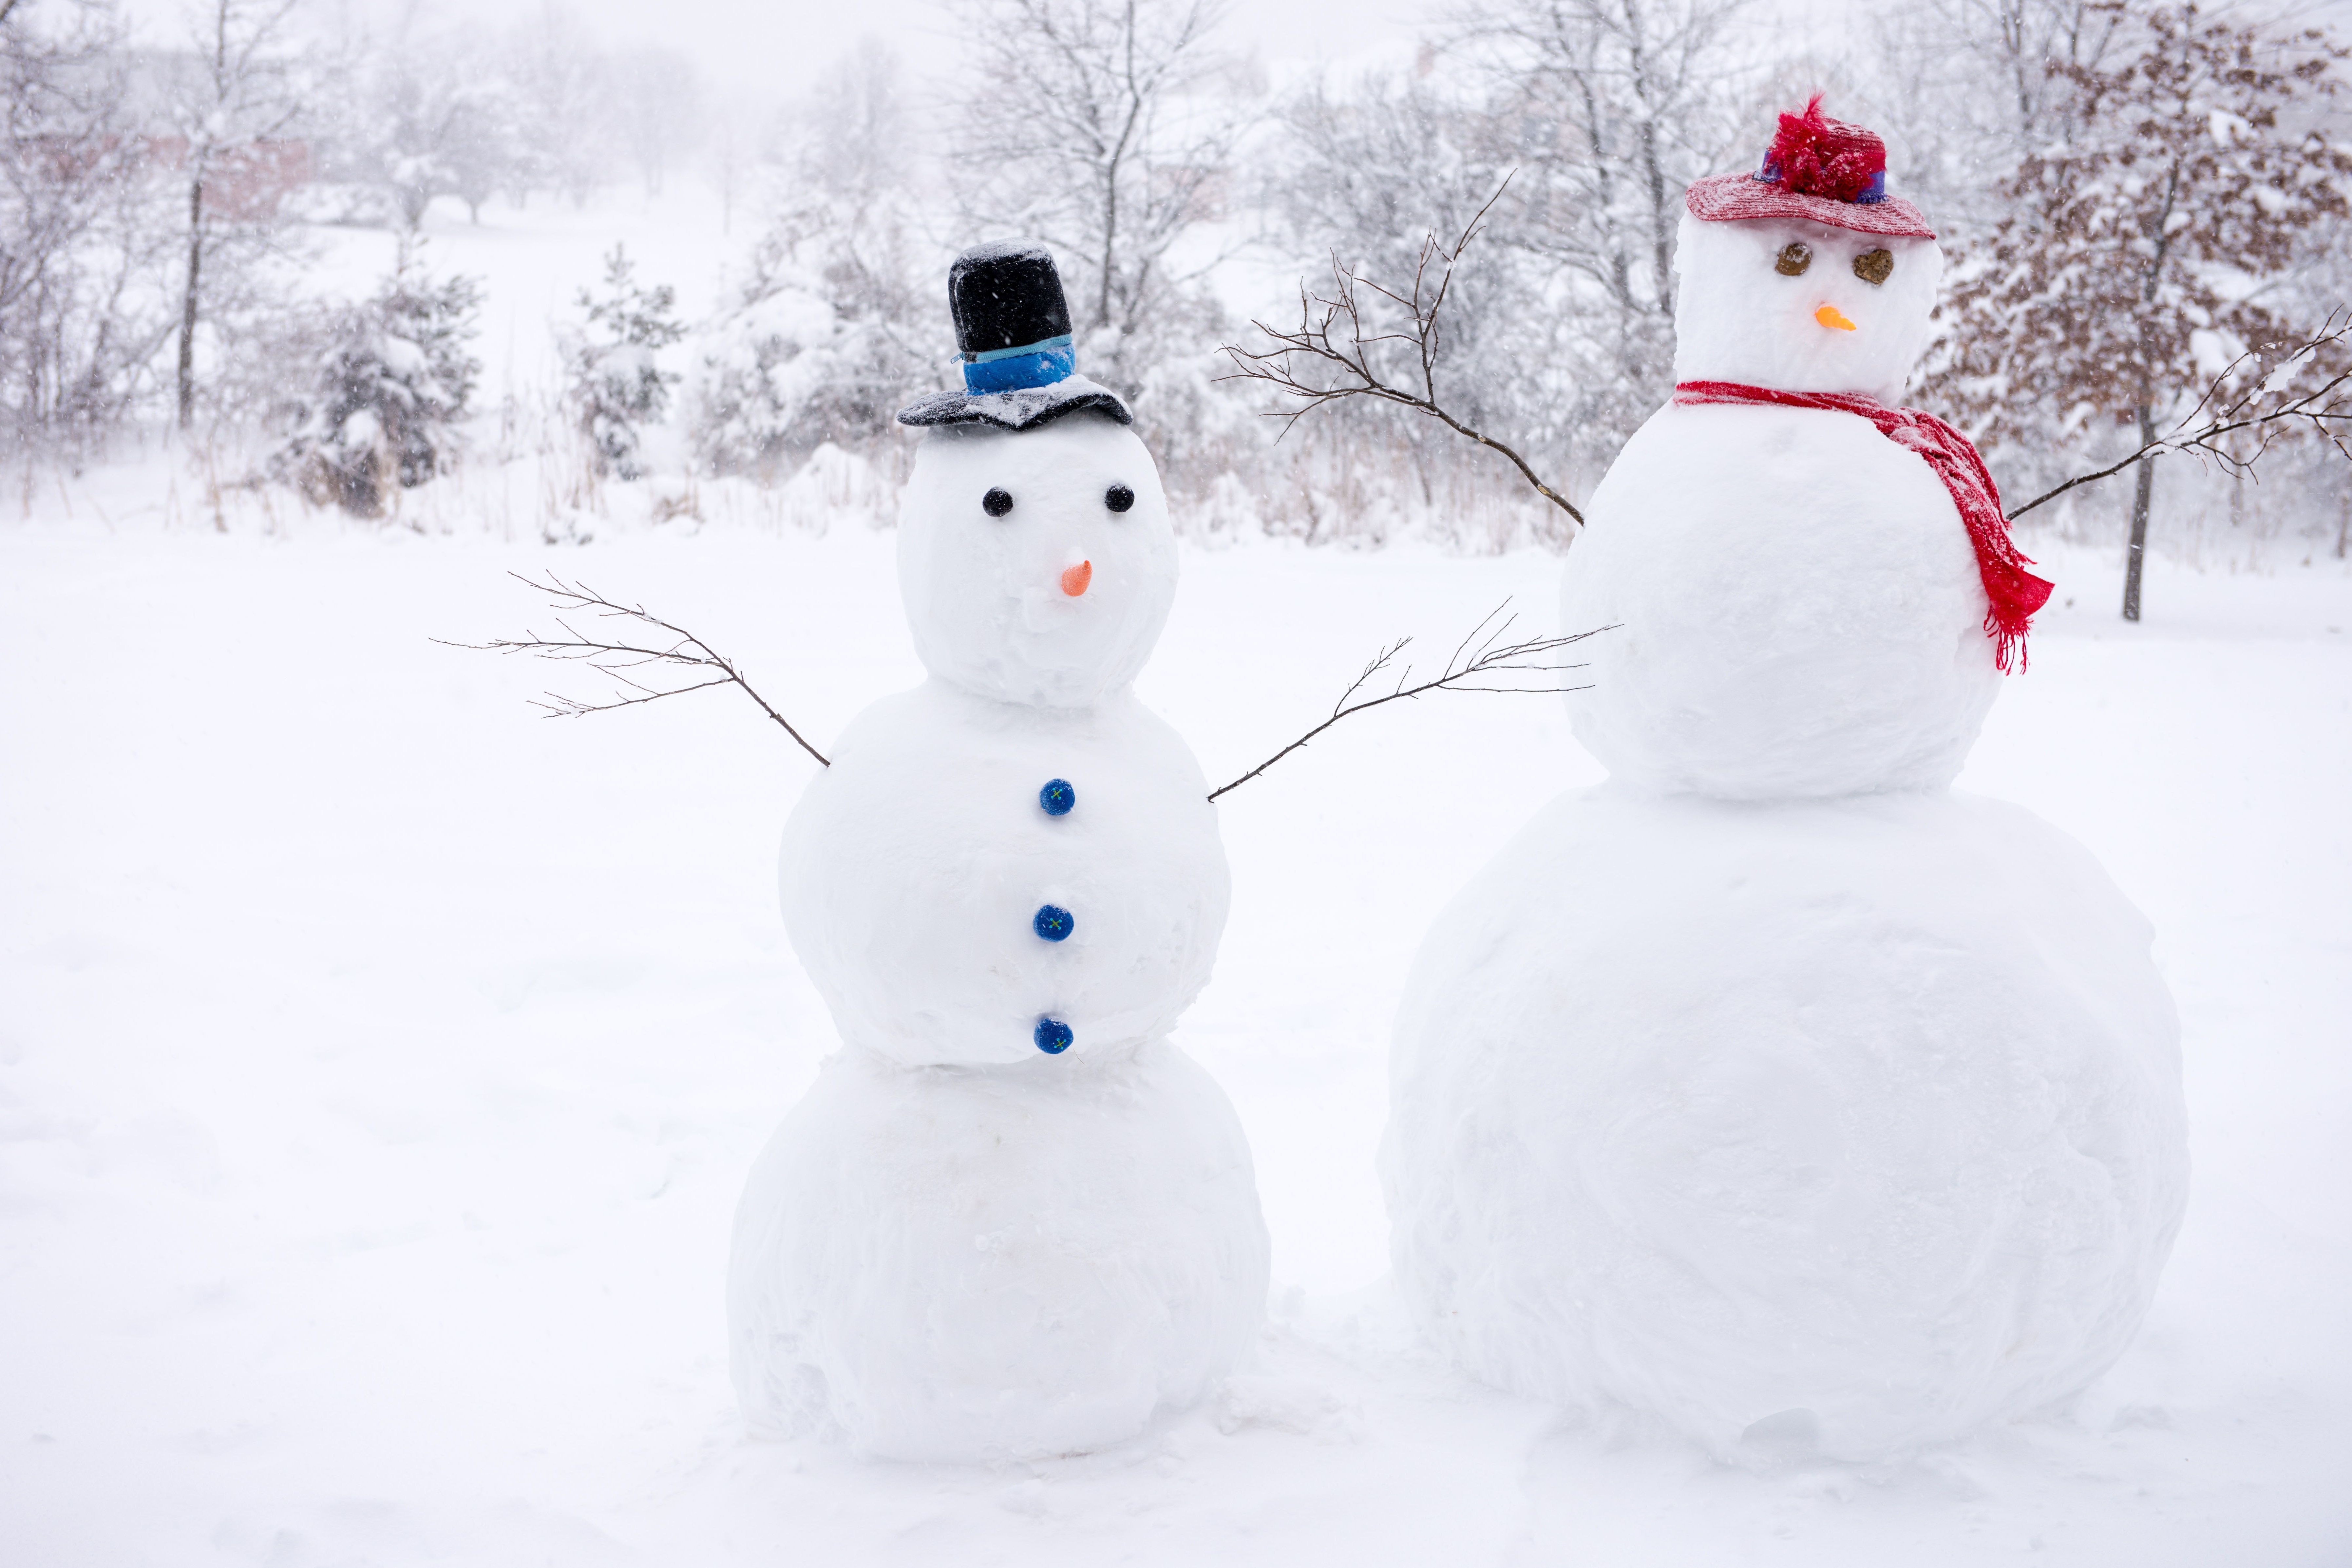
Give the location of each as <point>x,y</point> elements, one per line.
<point>1794,259</point>
<point>1875,266</point>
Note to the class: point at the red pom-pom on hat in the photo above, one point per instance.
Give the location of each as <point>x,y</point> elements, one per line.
<point>1819,169</point>
<point>1814,155</point>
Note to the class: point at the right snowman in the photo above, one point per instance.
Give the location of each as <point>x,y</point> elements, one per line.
<point>1773,1089</point>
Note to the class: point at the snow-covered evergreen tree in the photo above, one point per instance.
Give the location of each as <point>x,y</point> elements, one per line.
<point>614,386</point>
<point>389,383</point>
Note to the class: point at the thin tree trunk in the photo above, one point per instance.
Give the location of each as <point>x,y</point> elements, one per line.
<point>1662,218</point>
<point>188,303</point>
<point>1110,180</point>
<point>1663,213</point>
<point>2142,494</point>
<point>2145,491</point>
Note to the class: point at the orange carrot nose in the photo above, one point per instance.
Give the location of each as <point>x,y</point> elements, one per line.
<point>1075,580</point>
<point>1832,317</point>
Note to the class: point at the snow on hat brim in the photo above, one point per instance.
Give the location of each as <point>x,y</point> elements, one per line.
<point>1730,198</point>
<point>1018,408</point>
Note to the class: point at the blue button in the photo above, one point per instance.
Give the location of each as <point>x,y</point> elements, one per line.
<point>1053,923</point>
<point>1052,1037</point>
<point>1058,797</point>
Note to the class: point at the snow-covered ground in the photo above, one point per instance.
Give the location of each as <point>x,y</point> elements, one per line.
<point>379,1067</point>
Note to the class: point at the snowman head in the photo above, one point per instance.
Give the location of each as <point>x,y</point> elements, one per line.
<point>1805,276</point>
<point>1033,547</point>
<point>1037,566</point>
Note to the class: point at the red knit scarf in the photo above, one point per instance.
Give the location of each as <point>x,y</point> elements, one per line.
<point>2013,592</point>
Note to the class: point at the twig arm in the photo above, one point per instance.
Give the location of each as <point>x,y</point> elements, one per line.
<point>2151,450</point>
<point>2323,408</point>
<point>1478,661</point>
<point>1332,334</point>
<point>614,659</point>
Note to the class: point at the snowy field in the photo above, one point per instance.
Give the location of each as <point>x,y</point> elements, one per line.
<point>379,1067</point>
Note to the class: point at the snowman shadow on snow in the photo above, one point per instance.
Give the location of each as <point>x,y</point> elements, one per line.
<point>1010,1219</point>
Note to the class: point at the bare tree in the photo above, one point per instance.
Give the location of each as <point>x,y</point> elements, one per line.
<point>1609,109</point>
<point>426,115</point>
<point>240,92</point>
<point>78,250</point>
<point>562,92</point>
<point>1096,126</point>
<point>735,125</point>
<point>1975,86</point>
<point>659,108</point>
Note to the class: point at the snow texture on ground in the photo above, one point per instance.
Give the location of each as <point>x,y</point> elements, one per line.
<point>379,1068</point>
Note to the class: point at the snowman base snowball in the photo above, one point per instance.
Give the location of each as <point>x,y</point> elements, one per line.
<point>987,1264</point>
<point>1854,1122</point>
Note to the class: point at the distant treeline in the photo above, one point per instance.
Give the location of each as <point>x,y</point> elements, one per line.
<point>2132,196</point>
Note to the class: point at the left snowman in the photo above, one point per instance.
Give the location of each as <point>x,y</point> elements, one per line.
<point>1010,1219</point>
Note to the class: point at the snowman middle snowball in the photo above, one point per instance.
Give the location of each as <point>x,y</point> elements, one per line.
<point>1011,1220</point>
<point>915,867</point>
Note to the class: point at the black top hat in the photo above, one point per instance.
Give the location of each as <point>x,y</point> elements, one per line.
<point>1013,332</point>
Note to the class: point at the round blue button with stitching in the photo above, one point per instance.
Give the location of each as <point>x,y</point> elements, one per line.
<point>1058,797</point>
<point>1052,923</point>
<point>1052,1037</point>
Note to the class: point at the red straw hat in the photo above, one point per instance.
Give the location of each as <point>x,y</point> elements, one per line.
<point>1818,168</point>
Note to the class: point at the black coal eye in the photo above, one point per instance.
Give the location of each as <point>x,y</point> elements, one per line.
<point>1119,498</point>
<point>996,502</point>
<point>1794,259</point>
<point>1875,266</point>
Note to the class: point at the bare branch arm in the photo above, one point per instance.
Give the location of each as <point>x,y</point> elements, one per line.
<point>614,657</point>
<point>1313,367</point>
<point>2206,428</point>
<point>559,706</point>
<point>1478,661</point>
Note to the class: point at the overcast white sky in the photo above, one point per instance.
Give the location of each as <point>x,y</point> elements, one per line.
<point>786,43</point>
<point>780,47</point>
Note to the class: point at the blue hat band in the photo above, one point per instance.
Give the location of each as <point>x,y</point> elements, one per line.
<point>1872,193</point>
<point>1011,369</point>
